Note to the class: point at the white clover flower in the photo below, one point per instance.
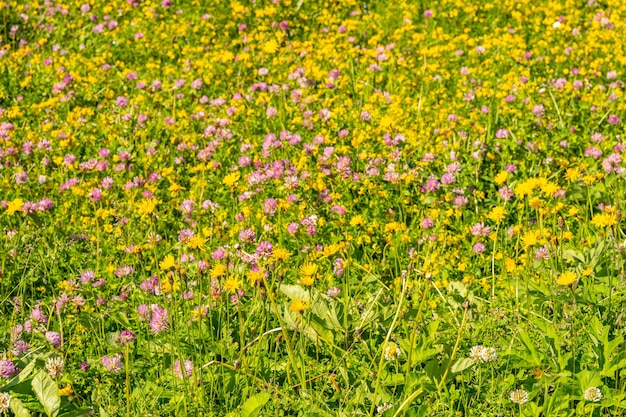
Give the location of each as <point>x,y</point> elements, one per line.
<point>476,353</point>
<point>489,354</point>
<point>592,394</point>
<point>519,396</point>
<point>5,402</point>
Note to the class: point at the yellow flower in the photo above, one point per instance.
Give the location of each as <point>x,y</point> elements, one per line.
<point>231,179</point>
<point>530,238</point>
<point>357,220</point>
<point>167,263</point>
<point>510,265</point>
<point>280,254</point>
<point>218,270</point>
<point>307,280</point>
<point>572,174</point>
<point>65,392</point>
<point>604,220</point>
<point>270,46</point>
<point>15,205</point>
<point>232,284</point>
<point>497,214</point>
<point>255,276</point>
<point>195,242</point>
<point>501,177</point>
<point>298,305</point>
<point>308,269</point>
<point>147,206</point>
<point>566,278</point>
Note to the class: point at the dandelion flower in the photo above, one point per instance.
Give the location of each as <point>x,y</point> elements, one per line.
<point>298,305</point>
<point>167,263</point>
<point>231,179</point>
<point>497,214</point>
<point>15,205</point>
<point>566,278</point>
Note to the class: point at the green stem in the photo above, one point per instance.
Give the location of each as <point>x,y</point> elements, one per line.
<point>384,346</point>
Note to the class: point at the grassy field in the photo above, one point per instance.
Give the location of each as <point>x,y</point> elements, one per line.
<point>312,208</point>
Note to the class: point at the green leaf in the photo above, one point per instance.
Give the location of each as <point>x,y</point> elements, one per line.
<point>47,393</point>
<point>461,365</point>
<point>77,413</point>
<point>18,408</point>
<point>253,405</point>
<point>19,378</point>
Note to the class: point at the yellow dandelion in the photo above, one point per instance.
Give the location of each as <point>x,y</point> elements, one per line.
<point>196,242</point>
<point>218,270</point>
<point>572,174</point>
<point>147,206</point>
<point>510,265</point>
<point>567,278</point>
<point>497,214</point>
<point>15,205</point>
<point>307,280</point>
<point>298,305</point>
<point>357,220</point>
<point>255,276</point>
<point>280,254</point>
<point>167,263</point>
<point>308,269</point>
<point>530,238</point>
<point>66,392</point>
<point>232,284</point>
<point>604,220</point>
<point>231,179</point>
<point>501,177</point>
<point>270,46</point>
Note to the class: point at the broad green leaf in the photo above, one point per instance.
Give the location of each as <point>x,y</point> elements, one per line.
<point>253,405</point>
<point>18,408</point>
<point>47,393</point>
<point>21,377</point>
<point>461,365</point>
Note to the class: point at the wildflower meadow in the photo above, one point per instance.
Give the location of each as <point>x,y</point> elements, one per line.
<point>312,208</point>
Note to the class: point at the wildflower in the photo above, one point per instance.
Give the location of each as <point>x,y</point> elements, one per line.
<point>519,396</point>
<point>159,322</point>
<point>54,338</point>
<point>530,238</point>
<point>567,278</point>
<point>167,263</point>
<point>146,206</point>
<point>5,402</point>
<point>232,284</point>
<point>392,352</point>
<point>126,337</point>
<point>231,179</point>
<point>384,407</point>
<point>55,366</point>
<point>298,305</point>
<point>178,369</point>
<point>113,364</point>
<point>14,206</point>
<point>592,394</point>
<point>7,369</point>
<point>497,214</point>
<point>66,392</point>
<point>478,248</point>
<point>604,220</point>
